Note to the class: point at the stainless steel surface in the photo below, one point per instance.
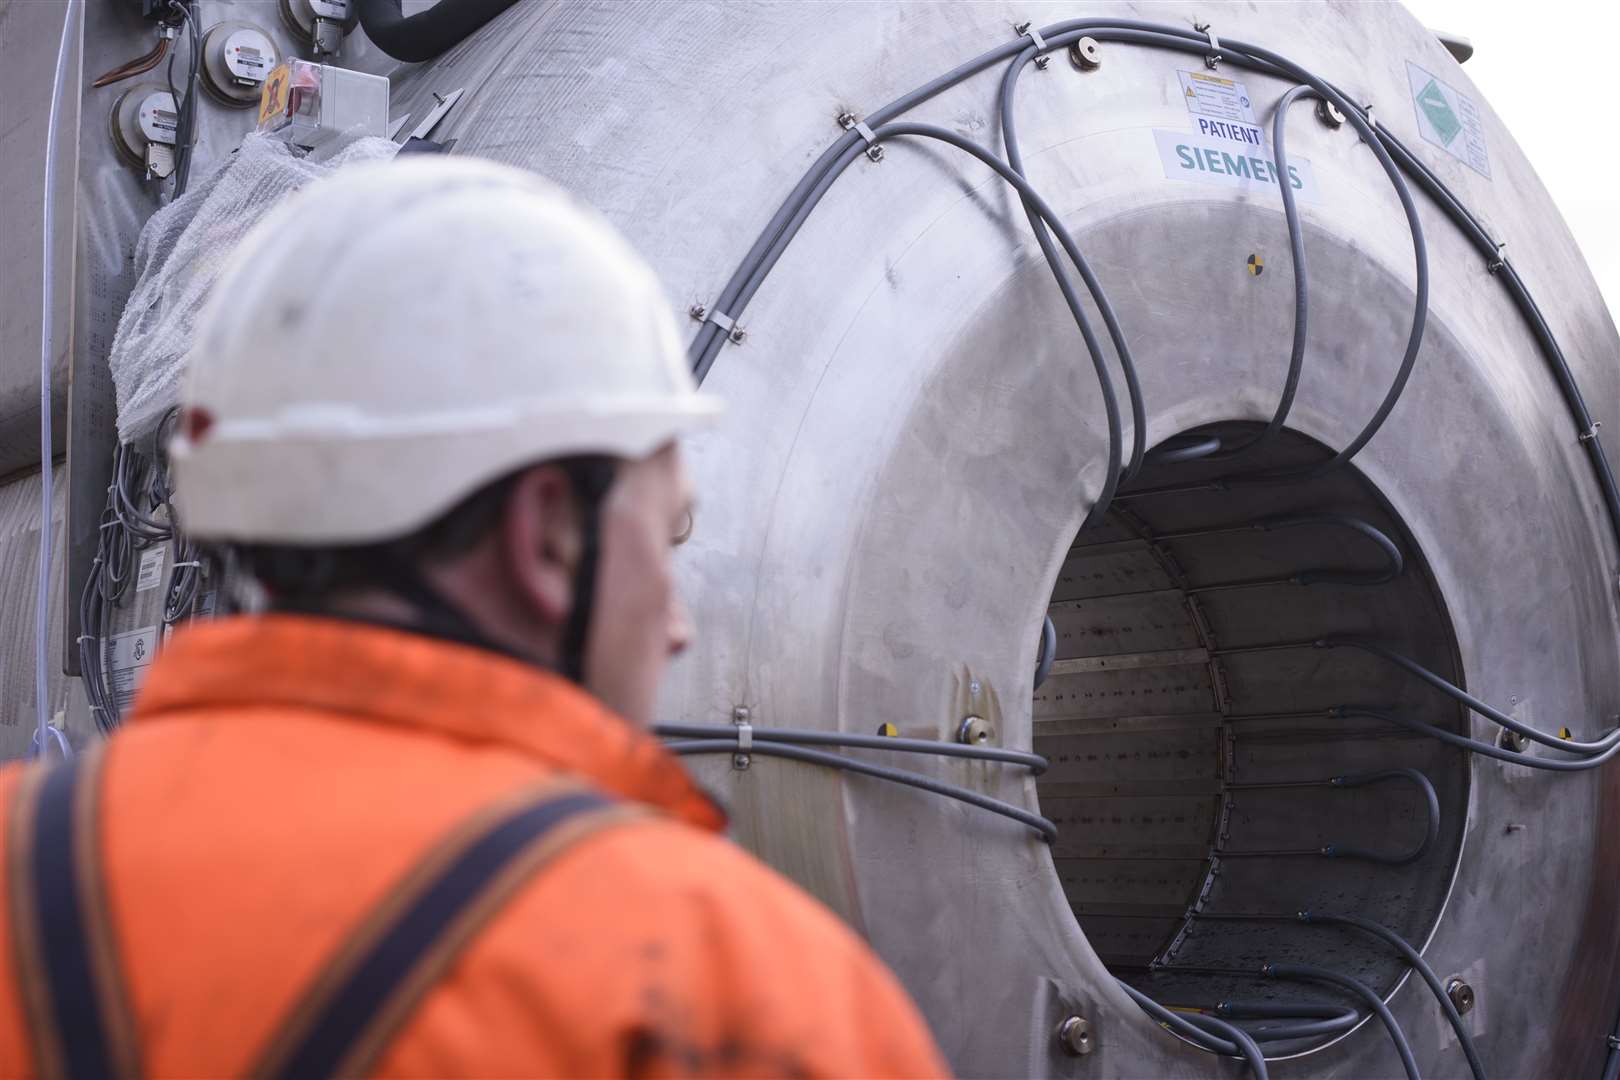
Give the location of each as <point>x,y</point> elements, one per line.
<point>1188,778</point>
<point>913,441</point>
<point>914,438</point>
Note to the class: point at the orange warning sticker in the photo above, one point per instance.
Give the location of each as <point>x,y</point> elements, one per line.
<point>275,96</point>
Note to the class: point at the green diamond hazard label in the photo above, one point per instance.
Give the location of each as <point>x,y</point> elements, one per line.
<point>1432,100</point>
<point>1448,119</point>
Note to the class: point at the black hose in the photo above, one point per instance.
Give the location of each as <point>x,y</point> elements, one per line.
<point>1421,966</point>
<point>427,33</point>
<point>802,736</point>
<point>1205,1032</point>
<point>1308,973</point>
<point>1042,825</point>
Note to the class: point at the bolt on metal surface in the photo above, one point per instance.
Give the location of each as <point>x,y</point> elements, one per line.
<point>1085,54</point>
<point>1461,995</point>
<point>975,731</point>
<point>1329,113</point>
<point>1074,1036</point>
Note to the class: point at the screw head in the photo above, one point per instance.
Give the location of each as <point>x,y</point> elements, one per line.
<point>1041,62</point>
<point>740,761</point>
<point>1461,995</point>
<point>1085,54</point>
<point>875,153</point>
<point>1021,28</point>
<point>698,312</point>
<point>1329,114</point>
<point>738,335</point>
<point>975,731</point>
<point>1074,1036</point>
<point>1512,740</point>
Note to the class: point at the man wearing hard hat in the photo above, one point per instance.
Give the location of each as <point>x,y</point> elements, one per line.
<point>410,821</point>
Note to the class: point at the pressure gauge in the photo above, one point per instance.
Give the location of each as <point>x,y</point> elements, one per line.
<point>145,128</point>
<point>321,23</point>
<point>236,59</point>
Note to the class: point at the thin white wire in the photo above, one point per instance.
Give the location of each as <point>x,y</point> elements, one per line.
<point>47,350</point>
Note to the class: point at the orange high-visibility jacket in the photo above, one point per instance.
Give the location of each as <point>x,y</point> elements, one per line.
<point>279,787</point>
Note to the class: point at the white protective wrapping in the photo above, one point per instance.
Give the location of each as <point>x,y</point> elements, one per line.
<point>180,255</point>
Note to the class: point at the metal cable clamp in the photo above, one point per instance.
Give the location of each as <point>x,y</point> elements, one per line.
<point>850,122</point>
<point>741,718</point>
<point>1213,59</point>
<point>1027,29</point>
<point>1590,433</point>
<point>1500,261</point>
<point>728,326</point>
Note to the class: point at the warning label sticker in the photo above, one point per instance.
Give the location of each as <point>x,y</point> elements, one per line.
<point>1205,160</point>
<point>1215,97</point>
<point>150,574</point>
<point>128,657</point>
<point>1449,120</point>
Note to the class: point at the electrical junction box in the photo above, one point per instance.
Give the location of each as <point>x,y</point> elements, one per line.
<point>308,104</point>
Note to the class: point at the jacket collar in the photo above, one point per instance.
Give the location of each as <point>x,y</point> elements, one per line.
<point>381,675</point>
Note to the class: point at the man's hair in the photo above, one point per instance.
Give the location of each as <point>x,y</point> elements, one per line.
<point>302,577</point>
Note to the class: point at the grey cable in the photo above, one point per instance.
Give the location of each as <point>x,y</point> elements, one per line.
<point>1206,1035</point>
<point>1042,825</point>
<point>1309,973</point>
<point>808,737</point>
<point>1048,654</point>
<point>1191,449</point>
<point>1032,198</point>
<point>1296,247</point>
<point>47,354</point>
<point>1484,749</point>
<point>1520,294</point>
<point>1421,966</point>
<point>1431,828</point>
<point>1122,351</point>
<point>1605,743</point>
<point>1395,563</point>
<point>1315,1020</point>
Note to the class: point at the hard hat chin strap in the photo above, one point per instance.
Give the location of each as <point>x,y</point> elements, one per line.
<point>442,618</point>
<point>591,486</point>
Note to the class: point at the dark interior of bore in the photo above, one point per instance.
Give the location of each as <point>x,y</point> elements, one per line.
<point>1163,728</point>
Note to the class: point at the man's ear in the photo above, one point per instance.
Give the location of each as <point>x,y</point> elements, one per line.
<point>541,543</point>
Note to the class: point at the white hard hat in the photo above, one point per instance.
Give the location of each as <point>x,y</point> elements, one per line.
<point>396,336</point>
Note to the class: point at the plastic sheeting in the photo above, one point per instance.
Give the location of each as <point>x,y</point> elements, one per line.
<point>181,253</point>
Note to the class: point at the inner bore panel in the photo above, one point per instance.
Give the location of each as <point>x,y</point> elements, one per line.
<point>1155,729</point>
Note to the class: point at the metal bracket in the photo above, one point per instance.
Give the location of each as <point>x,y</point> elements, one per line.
<point>850,122</point>
<point>1027,29</point>
<point>1501,258</point>
<point>728,325</point>
<point>1614,1042</point>
<point>1590,433</point>
<point>1213,59</point>
<point>745,738</point>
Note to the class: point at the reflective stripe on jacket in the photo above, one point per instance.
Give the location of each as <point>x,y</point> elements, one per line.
<point>280,777</point>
